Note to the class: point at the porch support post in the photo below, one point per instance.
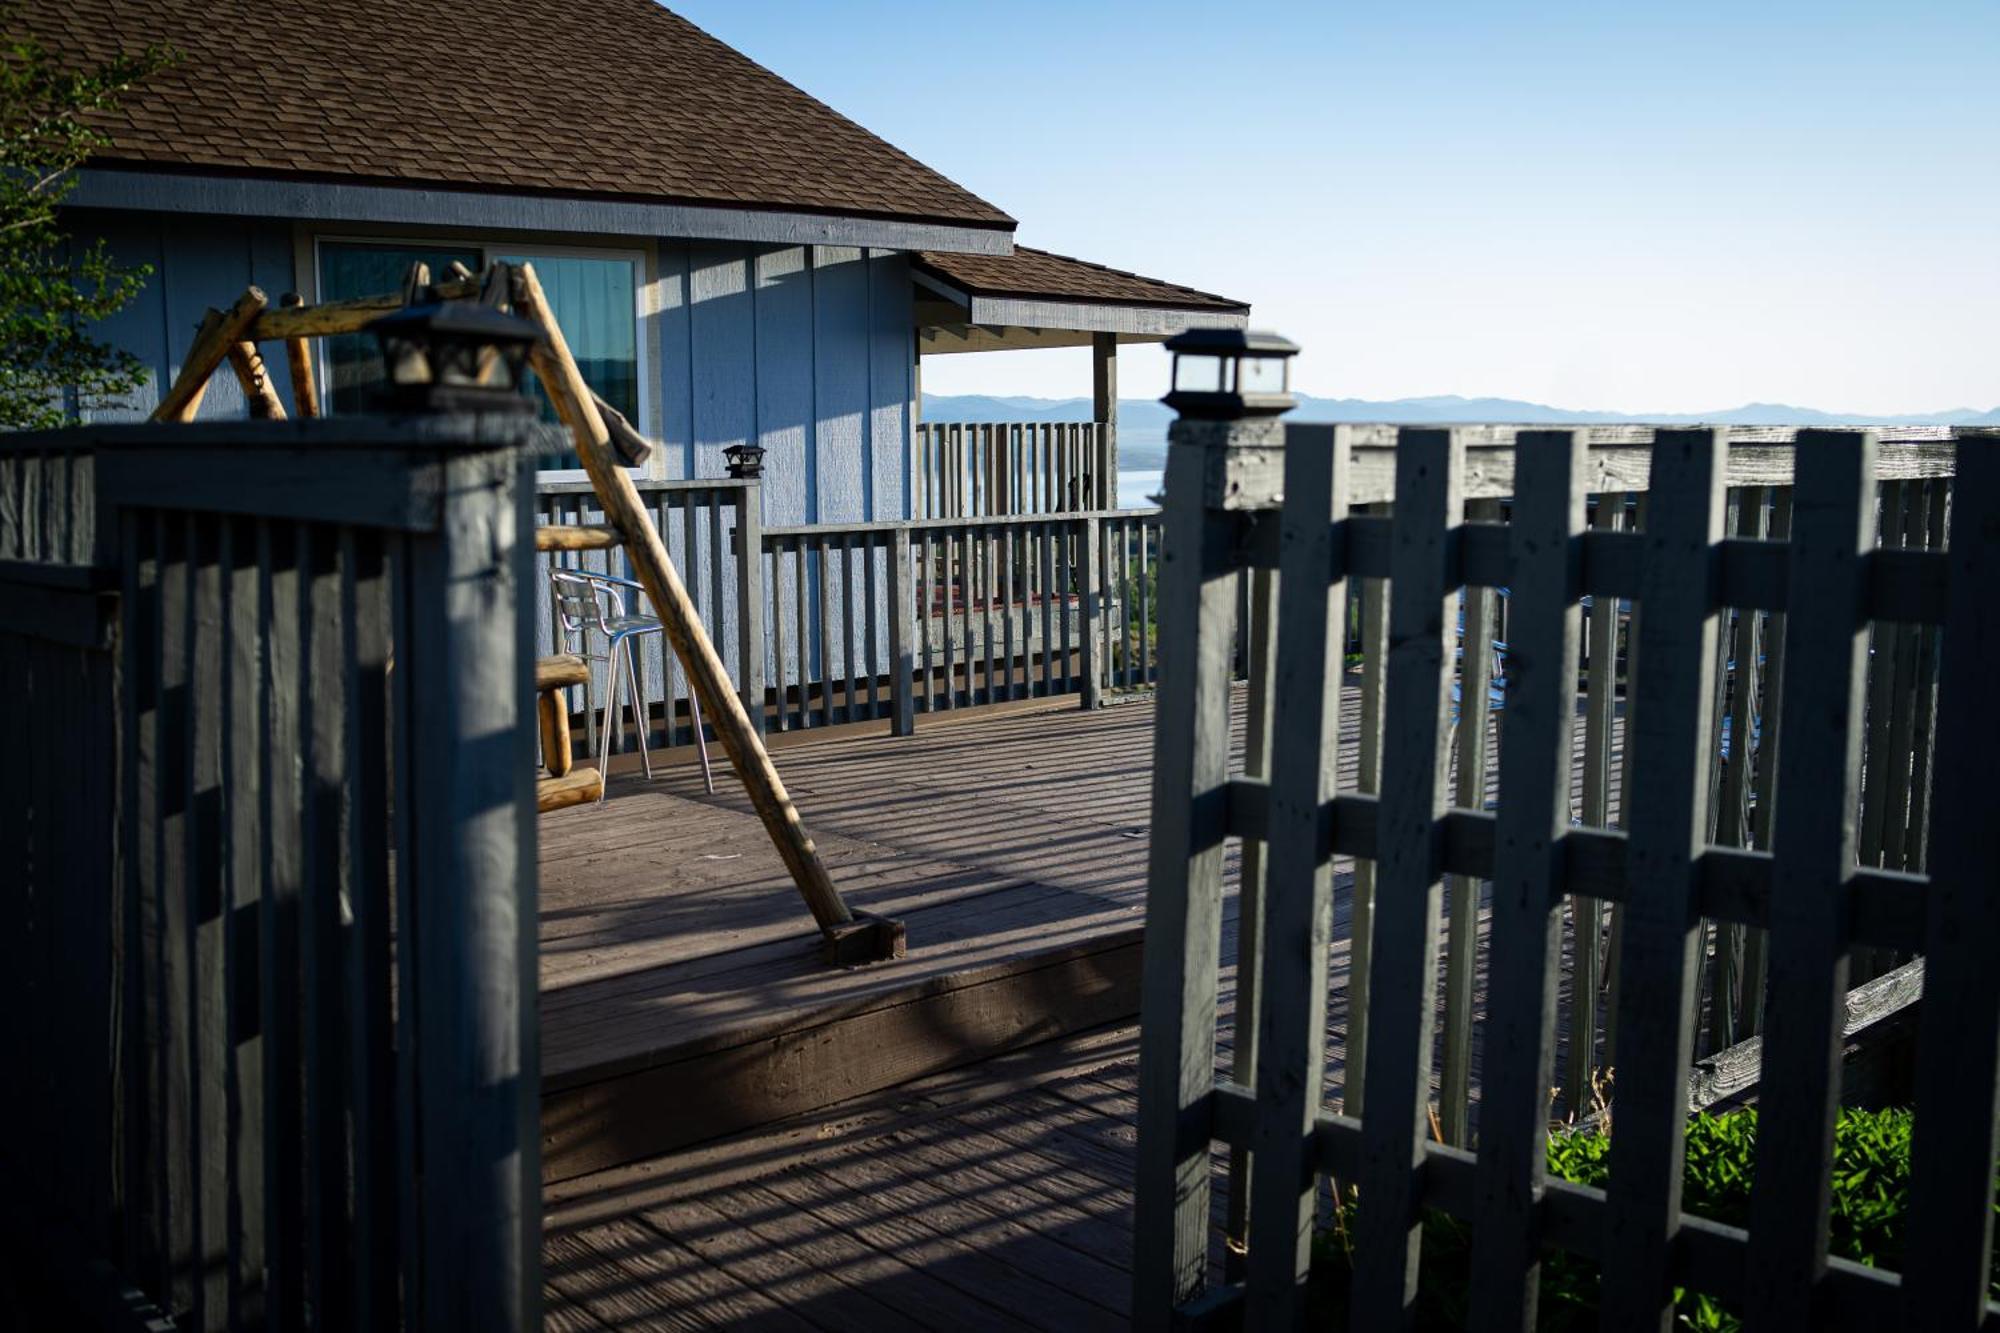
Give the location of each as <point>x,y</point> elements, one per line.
<point>1104,411</point>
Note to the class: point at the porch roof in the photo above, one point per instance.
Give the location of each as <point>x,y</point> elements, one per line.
<point>1033,298</point>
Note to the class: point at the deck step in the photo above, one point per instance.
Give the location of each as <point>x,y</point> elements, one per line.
<point>553,673</point>
<point>577,787</point>
<point>577,537</point>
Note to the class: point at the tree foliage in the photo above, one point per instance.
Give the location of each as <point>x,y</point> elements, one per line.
<point>52,290</point>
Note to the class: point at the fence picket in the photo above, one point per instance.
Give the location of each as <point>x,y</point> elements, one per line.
<point>1950,1227</point>
<point>1289,1018</point>
<point>1667,743</point>
<point>1403,975</point>
<point>1827,669</point>
<point>1545,546</point>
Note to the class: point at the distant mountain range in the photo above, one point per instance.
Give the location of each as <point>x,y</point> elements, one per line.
<point>1147,414</point>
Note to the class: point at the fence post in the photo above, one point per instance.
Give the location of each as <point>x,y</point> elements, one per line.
<point>1091,594</point>
<point>749,605</point>
<point>902,700</point>
<point>1215,471</point>
<point>466,760</point>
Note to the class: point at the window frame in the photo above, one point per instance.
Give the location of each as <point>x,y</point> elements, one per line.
<point>643,277</point>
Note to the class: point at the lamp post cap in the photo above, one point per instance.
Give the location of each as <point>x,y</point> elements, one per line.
<point>1222,342</point>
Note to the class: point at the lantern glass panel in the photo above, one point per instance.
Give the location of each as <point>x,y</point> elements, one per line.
<point>1261,374</point>
<point>1198,374</point>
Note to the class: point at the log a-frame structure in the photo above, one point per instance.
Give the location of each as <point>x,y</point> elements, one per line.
<point>599,433</point>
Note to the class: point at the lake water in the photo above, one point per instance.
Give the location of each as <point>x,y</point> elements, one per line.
<point>1134,487</point>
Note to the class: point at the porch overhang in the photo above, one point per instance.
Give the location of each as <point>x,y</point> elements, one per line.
<point>1031,298</point>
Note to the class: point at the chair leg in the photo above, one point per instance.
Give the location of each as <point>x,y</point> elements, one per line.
<point>700,740</point>
<point>639,719</point>
<point>611,720</point>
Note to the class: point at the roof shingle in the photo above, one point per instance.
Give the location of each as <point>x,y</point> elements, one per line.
<point>618,97</point>
<point>1039,275</point>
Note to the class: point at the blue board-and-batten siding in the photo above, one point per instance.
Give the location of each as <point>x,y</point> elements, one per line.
<point>806,350</point>
<point>197,262</point>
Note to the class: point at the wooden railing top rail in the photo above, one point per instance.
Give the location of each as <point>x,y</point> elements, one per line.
<point>1620,456</point>
<point>979,521</point>
<point>646,485</point>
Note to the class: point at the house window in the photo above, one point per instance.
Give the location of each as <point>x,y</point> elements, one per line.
<point>594,297</point>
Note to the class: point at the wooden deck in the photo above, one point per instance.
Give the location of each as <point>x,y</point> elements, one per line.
<point>681,994</point>
<point>736,1134</point>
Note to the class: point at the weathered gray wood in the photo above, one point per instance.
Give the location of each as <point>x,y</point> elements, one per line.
<point>1368,781</point>
<point>1815,841</point>
<point>1290,1013</point>
<point>1756,946</point>
<point>750,607</point>
<point>1091,590</point>
<point>1184,895</point>
<point>1668,742</point>
<point>1528,869</point>
<point>1403,973</point>
<point>280,612</point>
<point>902,702</point>
<point>1478,612</point>
<point>470,866</point>
<point>1250,910</point>
<point>1728,1074</point>
<point>1958,1062</point>
<point>207,922</point>
<point>1586,913</point>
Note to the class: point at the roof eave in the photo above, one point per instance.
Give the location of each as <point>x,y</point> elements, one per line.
<point>153,188</point>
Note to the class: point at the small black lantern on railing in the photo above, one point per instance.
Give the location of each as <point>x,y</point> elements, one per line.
<point>454,356</point>
<point>746,461</point>
<point>1228,374</point>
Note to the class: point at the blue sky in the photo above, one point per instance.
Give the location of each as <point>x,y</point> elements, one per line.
<point>1671,207</point>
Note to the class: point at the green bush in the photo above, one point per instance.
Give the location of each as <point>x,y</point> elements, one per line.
<point>1871,1170</point>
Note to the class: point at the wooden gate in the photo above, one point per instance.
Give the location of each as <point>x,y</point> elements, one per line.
<point>1822,896</point>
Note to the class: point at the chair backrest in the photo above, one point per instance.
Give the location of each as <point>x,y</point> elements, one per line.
<point>584,601</point>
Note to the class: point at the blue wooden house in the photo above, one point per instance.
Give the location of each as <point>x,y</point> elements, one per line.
<point>731,260</point>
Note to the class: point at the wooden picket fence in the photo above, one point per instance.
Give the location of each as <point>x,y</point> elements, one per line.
<point>1748,896</point>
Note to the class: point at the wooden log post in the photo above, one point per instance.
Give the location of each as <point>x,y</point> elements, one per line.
<point>255,380</point>
<point>220,332</point>
<point>298,356</point>
<point>1667,821</point>
<point>1104,411</point>
<point>849,938</point>
<point>1184,867</point>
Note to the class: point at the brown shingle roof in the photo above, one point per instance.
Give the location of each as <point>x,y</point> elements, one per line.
<point>1039,275</point>
<point>600,97</point>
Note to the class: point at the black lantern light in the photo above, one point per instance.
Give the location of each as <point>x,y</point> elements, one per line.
<point>1227,374</point>
<point>745,460</point>
<point>454,356</point>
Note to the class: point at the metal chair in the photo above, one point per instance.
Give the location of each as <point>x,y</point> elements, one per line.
<point>583,601</point>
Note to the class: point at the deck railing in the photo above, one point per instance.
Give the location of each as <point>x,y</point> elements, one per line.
<point>1638,880</point>
<point>966,469</point>
<point>858,622</point>
<point>269,950</point>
